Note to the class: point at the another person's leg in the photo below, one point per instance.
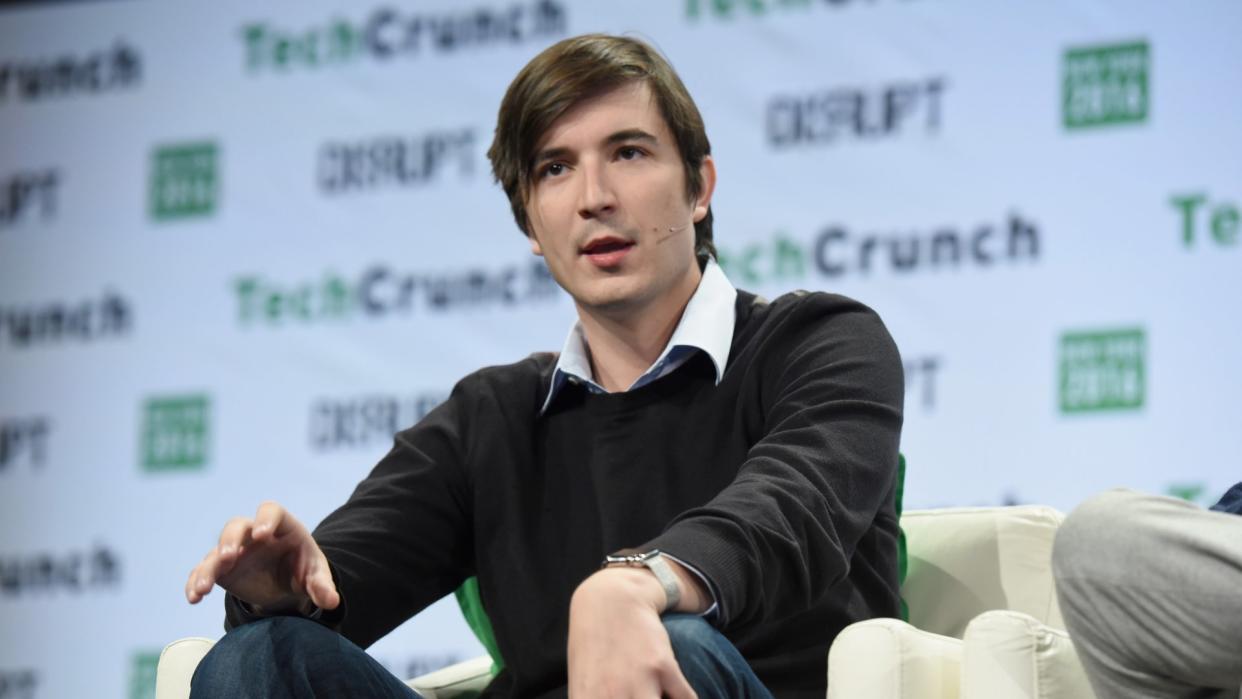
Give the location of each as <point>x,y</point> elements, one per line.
<point>712,666</point>
<point>291,657</point>
<point>1151,591</point>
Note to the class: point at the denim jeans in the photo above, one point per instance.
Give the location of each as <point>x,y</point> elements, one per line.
<point>293,657</point>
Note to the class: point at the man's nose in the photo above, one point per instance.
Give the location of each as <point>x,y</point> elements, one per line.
<point>596,198</point>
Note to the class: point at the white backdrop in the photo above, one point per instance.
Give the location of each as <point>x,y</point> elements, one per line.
<point>240,245</point>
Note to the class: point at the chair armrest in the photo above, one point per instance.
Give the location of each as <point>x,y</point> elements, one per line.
<point>176,666</point>
<point>461,681</point>
<point>1008,654</point>
<point>890,659</point>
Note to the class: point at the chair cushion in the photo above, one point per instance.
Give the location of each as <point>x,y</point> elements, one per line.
<point>890,659</point>
<point>1011,654</point>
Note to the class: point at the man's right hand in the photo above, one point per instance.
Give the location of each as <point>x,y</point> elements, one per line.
<point>270,562</point>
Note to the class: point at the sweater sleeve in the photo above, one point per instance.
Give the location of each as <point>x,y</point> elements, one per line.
<point>784,531</point>
<point>402,540</point>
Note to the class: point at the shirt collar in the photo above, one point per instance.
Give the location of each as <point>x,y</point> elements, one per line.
<point>706,325</point>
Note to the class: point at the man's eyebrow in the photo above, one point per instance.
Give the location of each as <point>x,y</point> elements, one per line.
<point>630,135</point>
<point>623,136</point>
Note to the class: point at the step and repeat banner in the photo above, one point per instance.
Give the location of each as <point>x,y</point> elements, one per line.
<point>243,244</point>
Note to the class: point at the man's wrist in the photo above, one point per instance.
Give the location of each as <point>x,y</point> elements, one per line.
<point>305,608</point>
<point>658,565</point>
<point>692,593</point>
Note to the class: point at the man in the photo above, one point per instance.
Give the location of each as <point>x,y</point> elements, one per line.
<point>1150,589</point>
<point>736,457</point>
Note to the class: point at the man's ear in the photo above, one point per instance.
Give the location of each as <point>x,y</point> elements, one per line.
<point>707,175</point>
<point>534,244</point>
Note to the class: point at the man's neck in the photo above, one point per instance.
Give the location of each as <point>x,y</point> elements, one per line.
<point>623,345</point>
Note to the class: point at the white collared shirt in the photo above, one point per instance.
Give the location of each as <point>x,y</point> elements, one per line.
<point>705,326</point>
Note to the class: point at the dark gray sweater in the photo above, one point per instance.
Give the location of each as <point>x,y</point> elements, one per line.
<point>777,484</point>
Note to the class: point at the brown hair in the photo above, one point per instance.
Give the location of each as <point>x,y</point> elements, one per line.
<point>577,69</point>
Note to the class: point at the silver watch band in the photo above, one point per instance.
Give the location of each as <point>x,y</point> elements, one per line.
<point>658,565</point>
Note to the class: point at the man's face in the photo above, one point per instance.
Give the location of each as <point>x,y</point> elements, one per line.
<point>608,207</point>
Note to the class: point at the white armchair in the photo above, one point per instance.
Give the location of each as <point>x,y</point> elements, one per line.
<point>984,622</point>
<point>984,619</point>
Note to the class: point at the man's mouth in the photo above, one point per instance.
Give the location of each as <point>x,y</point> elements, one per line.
<point>604,246</point>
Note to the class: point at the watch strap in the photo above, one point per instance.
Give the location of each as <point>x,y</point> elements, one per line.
<point>655,562</point>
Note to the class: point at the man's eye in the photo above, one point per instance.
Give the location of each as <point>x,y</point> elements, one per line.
<point>628,152</point>
<point>552,170</point>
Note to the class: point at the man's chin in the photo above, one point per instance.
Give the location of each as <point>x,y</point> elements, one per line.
<point>610,301</point>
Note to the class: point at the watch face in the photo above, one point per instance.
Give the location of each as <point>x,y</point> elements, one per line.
<point>630,557</point>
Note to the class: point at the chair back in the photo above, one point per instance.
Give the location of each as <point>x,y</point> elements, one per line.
<point>968,560</point>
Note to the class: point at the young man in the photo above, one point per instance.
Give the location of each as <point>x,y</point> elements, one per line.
<point>730,462</point>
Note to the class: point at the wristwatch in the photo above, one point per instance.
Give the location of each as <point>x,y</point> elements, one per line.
<point>654,561</point>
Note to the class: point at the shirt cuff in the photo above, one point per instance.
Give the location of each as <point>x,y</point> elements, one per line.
<point>710,613</point>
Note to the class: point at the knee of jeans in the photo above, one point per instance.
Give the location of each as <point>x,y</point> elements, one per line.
<point>256,642</point>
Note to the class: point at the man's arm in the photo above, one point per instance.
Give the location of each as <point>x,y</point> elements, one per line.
<point>784,531</point>
<point>399,543</point>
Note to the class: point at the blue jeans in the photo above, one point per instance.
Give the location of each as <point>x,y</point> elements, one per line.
<point>294,657</point>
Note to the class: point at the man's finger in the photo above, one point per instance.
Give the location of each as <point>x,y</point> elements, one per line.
<point>234,533</point>
<point>269,520</point>
<point>674,684</point>
<point>321,589</point>
<point>202,578</point>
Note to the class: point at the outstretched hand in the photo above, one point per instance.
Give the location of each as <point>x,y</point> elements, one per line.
<point>270,562</point>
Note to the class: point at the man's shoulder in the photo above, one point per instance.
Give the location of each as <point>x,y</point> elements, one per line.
<point>523,381</point>
<point>801,308</point>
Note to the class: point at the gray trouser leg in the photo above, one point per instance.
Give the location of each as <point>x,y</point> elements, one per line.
<point>1151,591</point>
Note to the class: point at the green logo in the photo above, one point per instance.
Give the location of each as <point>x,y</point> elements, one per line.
<point>1104,370</point>
<point>175,433</point>
<point>1190,492</point>
<point>1105,85</point>
<point>387,33</point>
<point>184,181</point>
<point>142,675</point>
<point>1221,218</point>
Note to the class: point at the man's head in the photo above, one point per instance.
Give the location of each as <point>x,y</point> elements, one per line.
<point>571,72</point>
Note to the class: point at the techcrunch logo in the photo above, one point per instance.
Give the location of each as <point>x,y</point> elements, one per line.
<point>21,193</point>
<point>1221,218</point>
<point>921,379</point>
<point>386,161</point>
<point>116,68</point>
<point>364,420</point>
<point>1103,370</point>
<point>728,9</point>
<point>380,291</point>
<point>22,683</point>
<point>854,113</point>
<point>23,437</point>
<point>1105,85</point>
<point>388,33</point>
<point>184,181</point>
<point>76,571</point>
<point>58,321</point>
<point>176,431</point>
<point>837,252</point>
